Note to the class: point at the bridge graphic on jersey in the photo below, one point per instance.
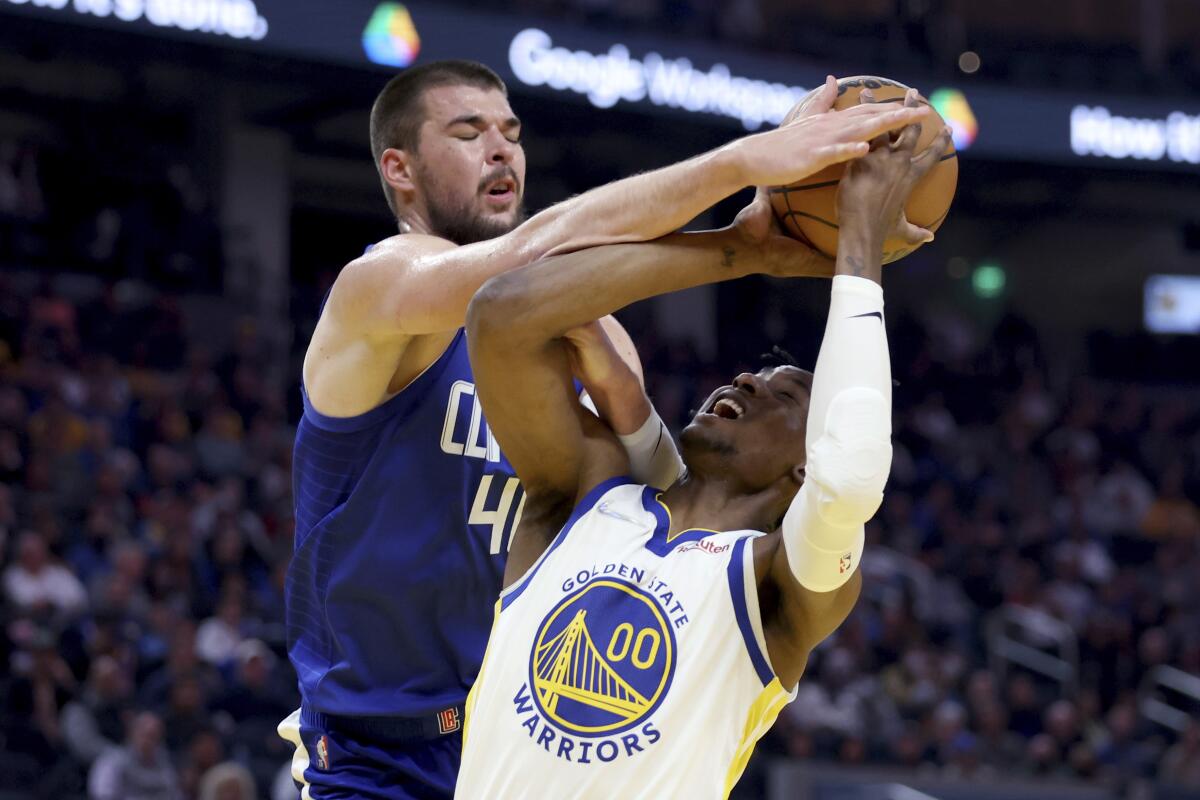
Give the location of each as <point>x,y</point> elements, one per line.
<point>570,666</point>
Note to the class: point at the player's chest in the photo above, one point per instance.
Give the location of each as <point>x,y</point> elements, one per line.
<point>595,651</point>
<point>634,608</point>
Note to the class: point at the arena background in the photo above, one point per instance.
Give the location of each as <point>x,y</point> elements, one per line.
<point>181,179</point>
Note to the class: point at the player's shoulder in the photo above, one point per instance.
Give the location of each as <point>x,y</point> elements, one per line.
<point>404,245</point>
<point>366,280</point>
<point>382,260</point>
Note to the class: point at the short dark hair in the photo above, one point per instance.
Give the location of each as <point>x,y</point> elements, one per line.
<point>778,357</point>
<point>398,111</point>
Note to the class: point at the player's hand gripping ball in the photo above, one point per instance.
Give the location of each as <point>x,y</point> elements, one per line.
<point>807,209</point>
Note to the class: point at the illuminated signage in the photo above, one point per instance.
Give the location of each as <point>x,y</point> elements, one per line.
<point>613,76</point>
<point>1172,304</point>
<point>642,71</point>
<point>1095,131</point>
<point>952,105</point>
<point>238,19</point>
<point>390,37</point>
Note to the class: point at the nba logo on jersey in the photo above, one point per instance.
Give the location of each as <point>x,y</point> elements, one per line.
<point>323,753</point>
<point>844,563</point>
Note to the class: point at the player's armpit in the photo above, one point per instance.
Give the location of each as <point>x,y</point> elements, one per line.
<point>558,448</point>
<point>795,619</point>
<point>594,458</point>
<point>541,520</point>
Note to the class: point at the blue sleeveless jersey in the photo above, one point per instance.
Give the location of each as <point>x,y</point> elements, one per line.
<point>403,520</point>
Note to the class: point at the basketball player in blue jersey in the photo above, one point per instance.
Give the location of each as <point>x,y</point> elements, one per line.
<point>404,502</point>
<point>640,650</point>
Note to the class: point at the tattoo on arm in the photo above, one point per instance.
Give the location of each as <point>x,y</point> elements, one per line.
<point>856,265</point>
<point>728,253</point>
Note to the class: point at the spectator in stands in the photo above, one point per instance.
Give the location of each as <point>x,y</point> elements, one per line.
<point>1061,723</point>
<point>1000,748</point>
<point>1181,764</point>
<point>186,713</point>
<point>218,637</point>
<point>36,585</point>
<point>95,721</point>
<point>1023,707</point>
<point>256,693</point>
<point>182,663</point>
<point>1123,753</point>
<point>203,751</point>
<point>228,781</point>
<point>140,770</point>
<point>834,704</point>
<point>41,686</point>
<point>1172,513</point>
<point>99,465</point>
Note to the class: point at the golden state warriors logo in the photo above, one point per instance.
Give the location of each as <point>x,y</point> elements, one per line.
<point>603,659</point>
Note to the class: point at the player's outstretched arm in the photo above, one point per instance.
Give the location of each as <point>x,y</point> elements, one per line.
<point>812,563</point>
<point>392,310</point>
<point>419,285</point>
<point>517,329</point>
<point>604,359</point>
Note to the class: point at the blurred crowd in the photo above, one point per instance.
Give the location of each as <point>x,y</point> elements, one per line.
<point>145,524</point>
<point>120,222</point>
<point>1012,487</point>
<point>145,520</point>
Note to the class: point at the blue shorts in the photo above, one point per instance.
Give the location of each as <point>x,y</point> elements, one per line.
<point>330,764</point>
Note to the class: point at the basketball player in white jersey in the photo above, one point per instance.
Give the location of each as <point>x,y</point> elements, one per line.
<point>641,649</point>
<point>404,505</point>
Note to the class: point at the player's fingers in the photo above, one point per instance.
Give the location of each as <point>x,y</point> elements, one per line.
<point>866,96</point>
<point>819,102</point>
<point>907,140</point>
<point>931,155</point>
<point>869,126</point>
<point>843,151</point>
<point>825,97</point>
<point>912,234</point>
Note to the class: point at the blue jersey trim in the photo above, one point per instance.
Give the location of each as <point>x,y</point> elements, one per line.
<point>662,517</point>
<point>401,401</point>
<point>585,505</point>
<point>741,611</point>
<point>661,542</point>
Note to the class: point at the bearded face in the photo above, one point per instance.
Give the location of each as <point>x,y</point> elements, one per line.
<point>469,166</point>
<point>491,208</point>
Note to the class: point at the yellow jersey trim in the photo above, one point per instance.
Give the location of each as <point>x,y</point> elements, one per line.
<point>759,719</point>
<point>469,708</point>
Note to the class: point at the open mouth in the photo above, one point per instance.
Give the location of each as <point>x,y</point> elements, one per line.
<point>503,189</point>
<point>727,408</point>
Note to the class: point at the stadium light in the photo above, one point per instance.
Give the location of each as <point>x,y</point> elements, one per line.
<point>988,280</point>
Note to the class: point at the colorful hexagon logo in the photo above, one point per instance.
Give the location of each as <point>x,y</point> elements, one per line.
<point>952,105</point>
<point>390,37</point>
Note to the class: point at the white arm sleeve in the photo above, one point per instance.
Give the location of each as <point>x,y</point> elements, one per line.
<point>848,441</point>
<point>653,458</point>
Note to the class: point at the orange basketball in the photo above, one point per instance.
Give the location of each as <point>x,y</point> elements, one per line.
<point>807,209</point>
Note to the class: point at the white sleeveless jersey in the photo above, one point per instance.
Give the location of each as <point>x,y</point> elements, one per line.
<point>624,664</point>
